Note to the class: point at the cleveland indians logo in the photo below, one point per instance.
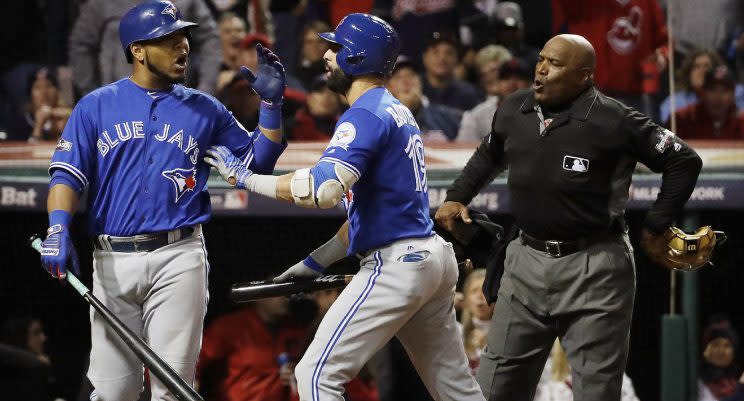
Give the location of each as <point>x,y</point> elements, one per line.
<point>171,10</point>
<point>183,180</point>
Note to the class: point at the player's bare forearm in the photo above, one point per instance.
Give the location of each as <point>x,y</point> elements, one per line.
<point>343,233</point>
<point>275,135</point>
<point>62,197</point>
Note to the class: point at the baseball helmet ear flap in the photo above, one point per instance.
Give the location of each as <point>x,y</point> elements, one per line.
<point>367,45</point>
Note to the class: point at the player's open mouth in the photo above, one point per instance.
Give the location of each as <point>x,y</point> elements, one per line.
<point>181,62</point>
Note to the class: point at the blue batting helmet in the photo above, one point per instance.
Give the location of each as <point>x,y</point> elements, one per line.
<point>150,20</point>
<point>369,45</point>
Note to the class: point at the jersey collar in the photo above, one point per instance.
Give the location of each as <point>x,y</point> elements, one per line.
<point>579,109</point>
<point>153,94</point>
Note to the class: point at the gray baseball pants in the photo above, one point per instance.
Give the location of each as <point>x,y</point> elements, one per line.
<point>404,289</point>
<point>162,297</point>
<point>585,299</point>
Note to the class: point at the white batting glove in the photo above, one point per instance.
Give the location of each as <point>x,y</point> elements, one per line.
<point>315,264</point>
<point>230,167</point>
<point>299,271</point>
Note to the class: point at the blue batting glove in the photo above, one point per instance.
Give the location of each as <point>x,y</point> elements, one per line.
<point>270,80</point>
<point>57,251</point>
<point>229,166</point>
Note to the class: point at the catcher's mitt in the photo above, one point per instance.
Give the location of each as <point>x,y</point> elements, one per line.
<point>678,250</point>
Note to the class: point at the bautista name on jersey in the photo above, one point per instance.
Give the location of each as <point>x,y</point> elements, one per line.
<point>379,142</point>
<point>139,155</point>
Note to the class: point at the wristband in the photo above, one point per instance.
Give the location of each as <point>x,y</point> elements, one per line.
<point>61,217</point>
<point>262,184</point>
<point>311,263</point>
<point>270,115</point>
<point>330,252</point>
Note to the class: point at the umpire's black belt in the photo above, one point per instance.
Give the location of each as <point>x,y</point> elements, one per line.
<point>562,248</point>
<point>142,242</point>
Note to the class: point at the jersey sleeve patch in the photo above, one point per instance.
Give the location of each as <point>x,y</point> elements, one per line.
<point>344,136</point>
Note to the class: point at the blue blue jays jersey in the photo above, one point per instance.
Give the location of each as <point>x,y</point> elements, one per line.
<point>379,141</point>
<point>139,155</point>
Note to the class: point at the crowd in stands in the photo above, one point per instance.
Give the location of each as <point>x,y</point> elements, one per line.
<point>458,59</point>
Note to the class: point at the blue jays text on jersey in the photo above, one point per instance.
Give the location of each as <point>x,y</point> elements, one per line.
<point>139,154</point>
<point>379,141</point>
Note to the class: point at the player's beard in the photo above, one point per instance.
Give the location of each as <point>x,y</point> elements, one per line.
<point>339,82</point>
<point>163,75</point>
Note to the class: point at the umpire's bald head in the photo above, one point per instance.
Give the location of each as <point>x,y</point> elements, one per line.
<point>565,68</point>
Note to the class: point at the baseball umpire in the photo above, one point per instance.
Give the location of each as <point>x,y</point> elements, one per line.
<point>570,152</point>
<point>375,165</point>
<point>136,147</point>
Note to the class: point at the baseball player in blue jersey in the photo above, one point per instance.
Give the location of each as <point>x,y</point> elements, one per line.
<point>406,282</point>
<point>136,147</point>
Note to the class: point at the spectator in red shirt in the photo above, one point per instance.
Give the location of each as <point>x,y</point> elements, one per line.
<point>239,360</point>
<point>715,116</point>
<point>625,34</point>
<point>317,119</point>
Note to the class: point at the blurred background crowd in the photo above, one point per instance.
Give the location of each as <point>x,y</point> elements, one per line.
<point>459,58</point>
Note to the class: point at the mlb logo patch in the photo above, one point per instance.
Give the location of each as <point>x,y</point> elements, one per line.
<point>573,163</point>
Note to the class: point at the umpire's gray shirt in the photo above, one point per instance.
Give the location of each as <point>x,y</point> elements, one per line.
<point>97,58</point>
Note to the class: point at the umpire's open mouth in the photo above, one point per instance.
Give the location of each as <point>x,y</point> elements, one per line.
<point>537,85</point>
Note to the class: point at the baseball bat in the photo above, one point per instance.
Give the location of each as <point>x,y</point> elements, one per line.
<point>157,366</point>
<point>253,290</point>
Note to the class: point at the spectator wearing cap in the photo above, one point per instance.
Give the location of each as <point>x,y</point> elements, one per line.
<point>313,49</point>
<point>715,116</point>
<point>718,368</point>
<point>44,116</point>
<point>436,121</point>
<point>440,84</point>
<point>316,120</point>
<point>511,75</point>
<point>95,52</point>
<point>510,32</point>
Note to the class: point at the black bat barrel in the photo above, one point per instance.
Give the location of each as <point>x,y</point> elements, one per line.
<point>253,290</point>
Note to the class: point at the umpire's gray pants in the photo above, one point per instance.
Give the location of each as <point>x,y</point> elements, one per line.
<point>585,298</point>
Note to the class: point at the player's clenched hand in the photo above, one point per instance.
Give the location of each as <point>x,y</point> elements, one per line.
<point>300,271</point>
<point>449,212</point>
<point>269,81</point>
<point>232,170</point>
<point>57,251</point>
